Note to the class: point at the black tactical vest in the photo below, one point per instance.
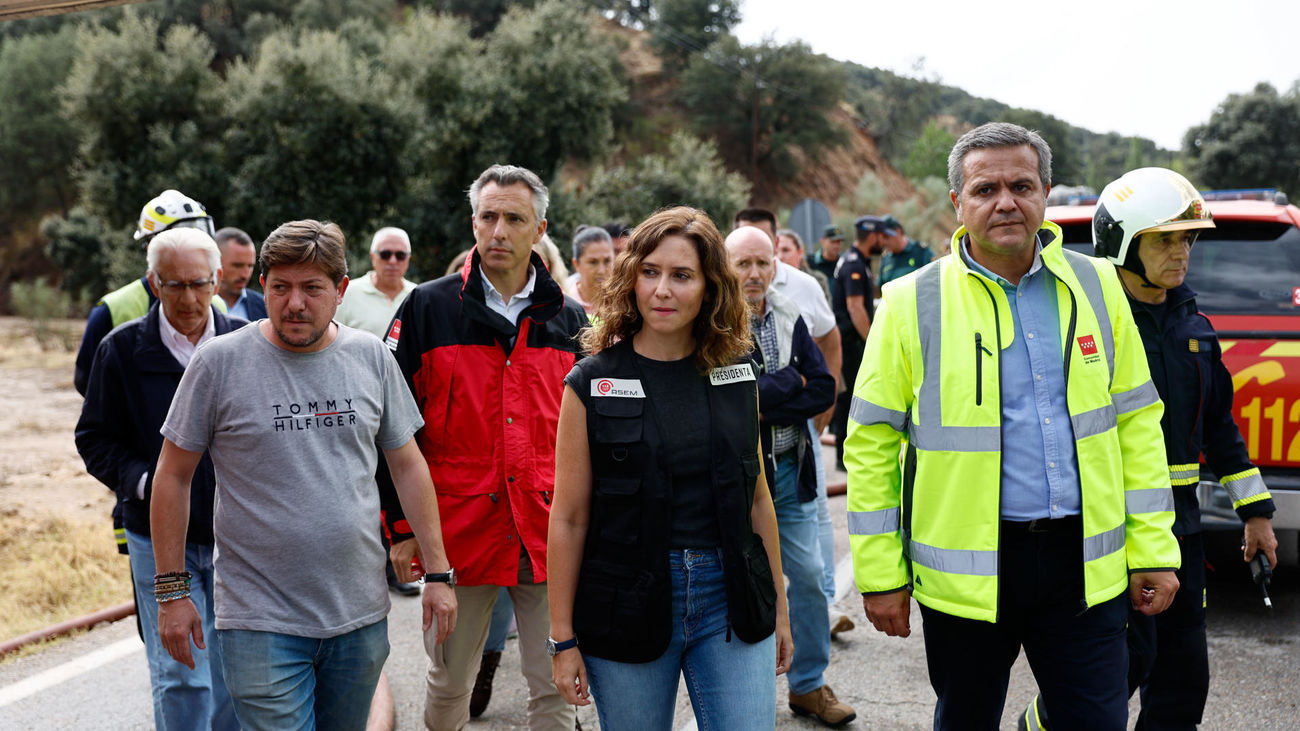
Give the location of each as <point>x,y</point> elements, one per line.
<point>623,604</point>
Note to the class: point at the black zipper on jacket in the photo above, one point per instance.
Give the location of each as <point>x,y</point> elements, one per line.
<point>980,352</point>
<point>1069,342</point>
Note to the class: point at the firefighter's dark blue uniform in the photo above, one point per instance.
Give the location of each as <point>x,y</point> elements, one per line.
<point>1168,657</point>
<point>1167,653</point>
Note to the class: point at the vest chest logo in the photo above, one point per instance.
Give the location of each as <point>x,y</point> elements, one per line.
<point>731,374</point>
<point>1088,349</point>
<point>617,387</point>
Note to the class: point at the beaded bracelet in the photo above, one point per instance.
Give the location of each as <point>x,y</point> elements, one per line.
<point>172,596</point>
<point>157,578</point>
<point>171,586</point>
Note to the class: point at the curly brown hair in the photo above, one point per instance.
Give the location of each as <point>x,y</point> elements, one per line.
<point>721,329</point>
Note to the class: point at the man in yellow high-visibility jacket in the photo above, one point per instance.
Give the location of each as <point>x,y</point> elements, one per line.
<point>1006,464</point>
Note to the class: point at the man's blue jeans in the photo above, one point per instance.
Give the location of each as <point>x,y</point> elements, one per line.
<point>288,682</point>
<point>182,698</point>
<point>502,612</point>
<point>732,683</point>
<point>801,561</point>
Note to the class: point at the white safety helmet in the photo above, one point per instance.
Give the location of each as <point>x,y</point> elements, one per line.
<point>172,209</point>
<point>1143,200</point>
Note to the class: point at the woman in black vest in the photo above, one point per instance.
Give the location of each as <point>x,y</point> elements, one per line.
<point>662,556</point>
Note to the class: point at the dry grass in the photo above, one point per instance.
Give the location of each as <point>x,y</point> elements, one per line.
<point>54,569</point>
<point>21,348</point>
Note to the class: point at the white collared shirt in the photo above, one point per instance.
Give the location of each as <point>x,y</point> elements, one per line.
<point>517,304</point>
<point>182,350</point>
<point>177,344</point>
<point>807,295</point>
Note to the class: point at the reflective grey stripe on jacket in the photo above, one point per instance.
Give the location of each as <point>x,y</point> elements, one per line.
<point>1091,283</point>
<point>873,522</point>
<point>1103,544</point>
<point>866,413</point>
<point>954,560</point>
<point>1154,500</point>
<point>929,432</point>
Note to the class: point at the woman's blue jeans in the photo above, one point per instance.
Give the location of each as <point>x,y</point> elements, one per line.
<point>732,684</point>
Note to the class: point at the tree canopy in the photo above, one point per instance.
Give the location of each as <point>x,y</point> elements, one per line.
<point>1251,140</point>
<point>760,101</point>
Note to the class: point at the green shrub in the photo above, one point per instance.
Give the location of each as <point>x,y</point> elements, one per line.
<point>40,302</point>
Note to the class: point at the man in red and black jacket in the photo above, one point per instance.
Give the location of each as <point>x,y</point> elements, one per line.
<point>485,353</point>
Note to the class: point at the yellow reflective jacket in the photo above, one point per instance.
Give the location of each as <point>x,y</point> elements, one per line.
<point>929,517</point>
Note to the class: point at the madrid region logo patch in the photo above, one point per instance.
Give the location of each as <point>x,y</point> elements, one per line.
<point>1088,349</point>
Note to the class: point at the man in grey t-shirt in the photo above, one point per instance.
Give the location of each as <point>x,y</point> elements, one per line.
<point>294,442</point>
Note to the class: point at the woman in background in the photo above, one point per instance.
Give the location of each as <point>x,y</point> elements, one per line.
<point>593,259</point>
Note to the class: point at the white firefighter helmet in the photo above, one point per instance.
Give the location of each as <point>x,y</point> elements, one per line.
<point>172,209</point>
<point>1141,201</point>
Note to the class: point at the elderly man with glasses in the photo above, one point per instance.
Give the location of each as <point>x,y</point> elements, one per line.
<point>136,371</point>
<point>373,298</point>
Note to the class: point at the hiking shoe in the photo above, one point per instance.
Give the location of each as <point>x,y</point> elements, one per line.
<point>482,693</point>
<point>822,705</point>
<point>840,622</point>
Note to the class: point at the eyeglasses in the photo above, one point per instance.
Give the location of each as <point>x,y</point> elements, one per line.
<point>388,254</point>
<point>179,287</point>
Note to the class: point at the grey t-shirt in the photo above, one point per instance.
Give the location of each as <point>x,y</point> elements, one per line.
<point>292,437</point>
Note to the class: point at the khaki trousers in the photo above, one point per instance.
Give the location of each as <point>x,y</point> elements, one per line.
<point>453,665</point>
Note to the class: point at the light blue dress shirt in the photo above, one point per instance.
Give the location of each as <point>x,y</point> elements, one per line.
<point>240,308</point>
<point>1040,472</point>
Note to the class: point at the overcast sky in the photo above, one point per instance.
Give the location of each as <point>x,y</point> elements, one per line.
<point>1139,67</point>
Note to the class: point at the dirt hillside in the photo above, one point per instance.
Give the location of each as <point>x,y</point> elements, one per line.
<point>833,175</point>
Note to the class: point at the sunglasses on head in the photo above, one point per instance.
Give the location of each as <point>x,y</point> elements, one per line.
<point>388,254</point>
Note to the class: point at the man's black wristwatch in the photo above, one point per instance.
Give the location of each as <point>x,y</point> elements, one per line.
<point>447,577</point>
<point>554,648</point>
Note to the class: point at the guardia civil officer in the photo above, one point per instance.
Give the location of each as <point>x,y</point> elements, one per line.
<point>1146,223</point>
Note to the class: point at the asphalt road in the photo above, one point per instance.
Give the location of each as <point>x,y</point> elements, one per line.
<point>100,680</point>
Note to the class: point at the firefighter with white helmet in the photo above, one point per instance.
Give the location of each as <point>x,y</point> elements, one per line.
<point>1146,223</point>
<point>172,209</point>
